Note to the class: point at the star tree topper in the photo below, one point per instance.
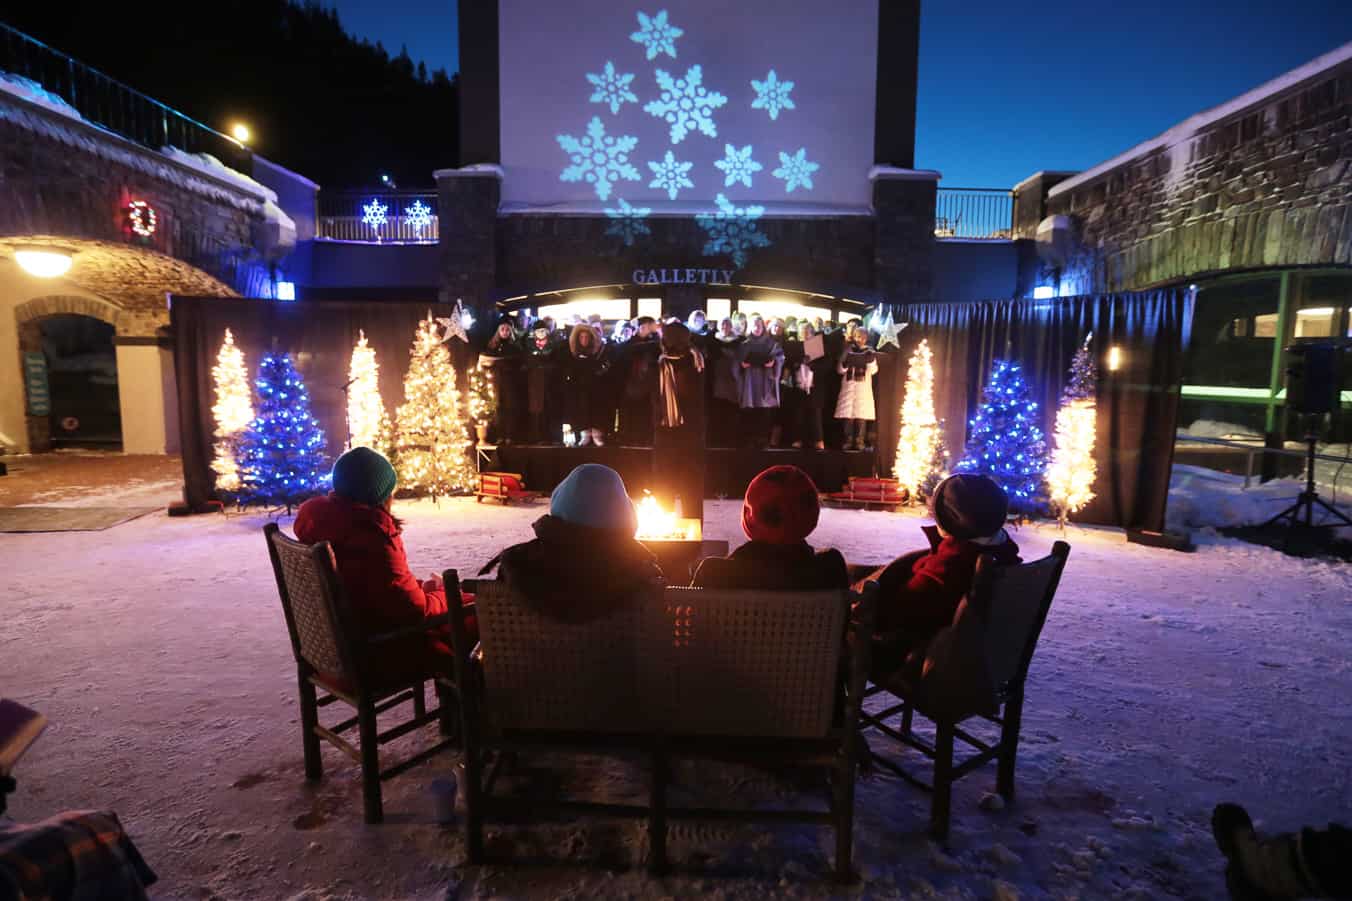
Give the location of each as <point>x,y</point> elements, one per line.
<point>452,326</point>
<point>890,332</point>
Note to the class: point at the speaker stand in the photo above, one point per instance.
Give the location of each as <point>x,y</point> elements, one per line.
<point>1308,499</point>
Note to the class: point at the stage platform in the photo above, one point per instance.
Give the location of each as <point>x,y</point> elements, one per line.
<point>727,471</point>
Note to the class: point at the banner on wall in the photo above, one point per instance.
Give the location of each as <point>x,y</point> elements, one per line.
<point>35,380</point>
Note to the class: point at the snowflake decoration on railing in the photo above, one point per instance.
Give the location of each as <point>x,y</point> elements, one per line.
<point>737,165</point>
<point>373,214</point>
<point>598,159</point>
<point>627,222</point>
<point>612,88</point>
<point>732,230</point>
<point>656,34</point>
<point>671,175</point>
<point>686,104</point>
<point>795,170</point>
<point>772,95</point>
<point>418,216</point>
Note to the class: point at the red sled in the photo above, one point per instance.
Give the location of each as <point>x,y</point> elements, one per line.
<point>868,494</point>
<point>505,487</point>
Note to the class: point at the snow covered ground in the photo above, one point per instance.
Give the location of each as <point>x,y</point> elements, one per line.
<point>1164,683</point>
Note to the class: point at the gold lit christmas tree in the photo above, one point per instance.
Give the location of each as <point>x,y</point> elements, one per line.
<point>233,412</point>
<point>482,397</point>
<point>921,459</point>
<point>1070,477</point>
<point>367,422</point>
<point>431,443</point>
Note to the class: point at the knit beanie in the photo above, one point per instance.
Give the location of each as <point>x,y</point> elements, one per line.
<point>594,495</point>
<point>969,506</point>
<point>781,506</point>
<point>364,476</point>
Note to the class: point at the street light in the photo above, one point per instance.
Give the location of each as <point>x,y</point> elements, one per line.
<point>240,132</point>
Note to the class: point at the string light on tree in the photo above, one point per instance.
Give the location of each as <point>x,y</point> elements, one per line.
<point>1071,474</point>
<point>431,442</point>
<point>1006,442</point>
<point>921,457</point>
<point>482,401</point>
<point>233,411</point>
<point>282,458</point>
<point>367,422</point>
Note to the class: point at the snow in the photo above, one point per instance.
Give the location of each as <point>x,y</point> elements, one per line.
<point>1164,683</point>
<point>30,90</point>
<point>284,228</point>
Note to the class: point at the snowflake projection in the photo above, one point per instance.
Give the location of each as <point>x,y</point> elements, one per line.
<point>627,222</point>
<point>686,104</point>
<point>374,214</point>
<point>612,88</point>
<point>598,158</point>
<point>656,34</point>
<point>737,165</point>
<point>418,216</point>
<point>732,230</point>
<point>671,175</point>
<point>795,170</point>
<point>772,95</point>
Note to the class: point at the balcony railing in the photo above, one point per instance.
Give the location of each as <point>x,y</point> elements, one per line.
<point>974,213</point>
<point>378,217</point>
<point>111,104</point>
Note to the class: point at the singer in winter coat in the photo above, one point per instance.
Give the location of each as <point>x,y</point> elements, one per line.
<point>724,384</point>
<point>760,360</point>
<point>857,367</point>
<point>501,359</point>
<point>588,404</point>
<point>678,411</point>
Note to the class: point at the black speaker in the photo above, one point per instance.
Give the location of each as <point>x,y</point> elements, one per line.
<point>1312,378</point>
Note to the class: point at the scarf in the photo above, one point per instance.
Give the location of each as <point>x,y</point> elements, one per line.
<point>672,418</point>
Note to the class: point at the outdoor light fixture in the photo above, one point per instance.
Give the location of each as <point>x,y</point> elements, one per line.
<point>1044,292</point>
<point>286,290</point>
<point>240,132</point>
<point>44,262</point>
<point>1114,358</point>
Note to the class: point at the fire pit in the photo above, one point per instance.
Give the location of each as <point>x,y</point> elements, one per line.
<point>677,542</point>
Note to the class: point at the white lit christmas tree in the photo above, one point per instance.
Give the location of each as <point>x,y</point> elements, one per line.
<point>367,422</point>
<point>431,449</point>
<point>233,411</point>
<point>1070,476</point>
<point>1006,442</point>
<point>921,458</point>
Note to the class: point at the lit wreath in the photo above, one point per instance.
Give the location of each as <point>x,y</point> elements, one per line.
<point>141,215</point>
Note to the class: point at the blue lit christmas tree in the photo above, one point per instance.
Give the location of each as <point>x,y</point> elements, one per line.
<point>282,456</point>
<point>1006,442</point>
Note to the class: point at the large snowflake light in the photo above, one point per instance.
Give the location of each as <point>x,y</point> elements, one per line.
<point>670,175</point>
<point>627,222</point>
<point>732,230</point>
<point>686,104</point>
<point>418,216</point>
<point>612,88</point>
<point>737,165</point>
<point>374,214</point>
<point>656,34</point>
<point>772,95</point>
<point>598,159</point>
<point>795,170</point>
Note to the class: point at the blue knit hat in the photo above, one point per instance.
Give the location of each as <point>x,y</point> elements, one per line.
<point>594,495</point>
<point>364,476</point>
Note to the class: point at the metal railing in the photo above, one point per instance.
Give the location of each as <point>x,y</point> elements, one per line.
<point>378,217</point>
<point>974,213</point>
<point>109,103</point>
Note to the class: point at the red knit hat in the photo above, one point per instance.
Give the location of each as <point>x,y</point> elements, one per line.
<point>781,506</point>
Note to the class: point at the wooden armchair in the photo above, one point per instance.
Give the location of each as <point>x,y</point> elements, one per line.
<point>974,668</point>
<point>330,666</point>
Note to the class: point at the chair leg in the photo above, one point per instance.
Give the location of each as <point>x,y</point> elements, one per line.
<point>473,789</point>
<point>448,717</point>
<point>419,699</point>
<point>309,739</point>
<point>943,780</point>
<point>1009,745</point>
<point>370,762</point>
<point>843,791</point>
<point>907,715</point>
<point>657,819</point>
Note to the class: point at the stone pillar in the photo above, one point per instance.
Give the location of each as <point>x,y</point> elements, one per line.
<point>468,212</point>
<point>1030,201</point>
<point>146,395</point>
<point>903,204</point>
<point>13,388</point>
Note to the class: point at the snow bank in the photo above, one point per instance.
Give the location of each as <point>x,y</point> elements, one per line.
<point>1210,428</point>
<point>1205,498</point>
<point>281,227</point>
<point>30,90</point>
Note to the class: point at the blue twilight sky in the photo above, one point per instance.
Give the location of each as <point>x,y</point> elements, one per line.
<point>1009,88</point>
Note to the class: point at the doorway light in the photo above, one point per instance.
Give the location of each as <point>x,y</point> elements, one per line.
<point>44,262</point>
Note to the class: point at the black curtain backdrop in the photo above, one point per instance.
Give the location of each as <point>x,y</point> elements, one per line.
<point>319,335</point>
<point>1137,404</point>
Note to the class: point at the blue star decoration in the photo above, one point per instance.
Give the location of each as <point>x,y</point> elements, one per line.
<point>772,95</point>
<point>598,159</point>
<point>373,213</point>
<point>686,104</point>
<point>612,88</point>
<point>656,34</point>
<point>627,222</point>
<point>737,165</point>
<point>732,230</point>
<point>671,175</point>
<point>795,170</point>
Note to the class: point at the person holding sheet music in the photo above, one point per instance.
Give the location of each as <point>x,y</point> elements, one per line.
<point>854,406</point>
<point>760,359</point>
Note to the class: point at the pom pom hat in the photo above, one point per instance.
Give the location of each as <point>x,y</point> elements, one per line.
<point>781,506</point>
<point>969,506</point>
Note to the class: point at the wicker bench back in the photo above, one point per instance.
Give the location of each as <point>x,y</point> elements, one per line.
<point>309,603</point>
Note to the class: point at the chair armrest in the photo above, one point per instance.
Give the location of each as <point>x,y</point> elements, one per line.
<point>441,619</point>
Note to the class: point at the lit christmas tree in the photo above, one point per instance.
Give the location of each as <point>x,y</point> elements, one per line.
<point>1070,477</point>
<point>367,422</point>
<point>431,441</point>
<point>233,411</point>
<point>921,457</point>
<point>1006,442</point>
<point>482,401</point>
<point>282,453</point>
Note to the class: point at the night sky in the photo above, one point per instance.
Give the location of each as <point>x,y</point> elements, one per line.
<point>1008,88</point>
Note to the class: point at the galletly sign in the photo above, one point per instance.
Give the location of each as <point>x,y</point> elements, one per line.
<point>687,276</point>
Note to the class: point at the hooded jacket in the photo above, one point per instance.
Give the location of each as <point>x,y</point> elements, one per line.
<point>775,567</point>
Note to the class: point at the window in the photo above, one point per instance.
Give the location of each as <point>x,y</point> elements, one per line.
<point>1265,326</point>
<point>650,306</point>
<point>717,309</point>
<point>769,309</point>
<point>605,307</point>
<point>1319,322</point>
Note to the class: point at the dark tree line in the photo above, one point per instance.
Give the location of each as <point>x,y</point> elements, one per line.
<point>334,108</point>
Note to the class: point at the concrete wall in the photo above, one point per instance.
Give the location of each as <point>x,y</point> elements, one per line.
<point>343,264</point>
<point>296,194</point>
<point>975,270</point>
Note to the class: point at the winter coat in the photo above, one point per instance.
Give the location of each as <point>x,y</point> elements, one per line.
<point>759,385</point>
<point>856,389</point>
<point>587,403</point>
<point>689,383</point>
<point>638,369</point>
<point>541,366</point>
<point>775,567</point>
<point>726,374</point>
<point>575,574</point>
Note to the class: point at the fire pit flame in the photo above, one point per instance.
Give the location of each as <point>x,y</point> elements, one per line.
<point>656,524</point>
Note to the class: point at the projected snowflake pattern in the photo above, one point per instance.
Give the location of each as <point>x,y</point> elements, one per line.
<point>627,222</point>
<point>418,216</point>
<point>732,230</point>
<point>671,175</point>
<point>598,158</point>
<point>795,170</point>
<point>686,104</point>
<point>737,165</point>
<point>612,88</point>
<point>656,34</point>
<point>373,214</point>
<point>772,95</point>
